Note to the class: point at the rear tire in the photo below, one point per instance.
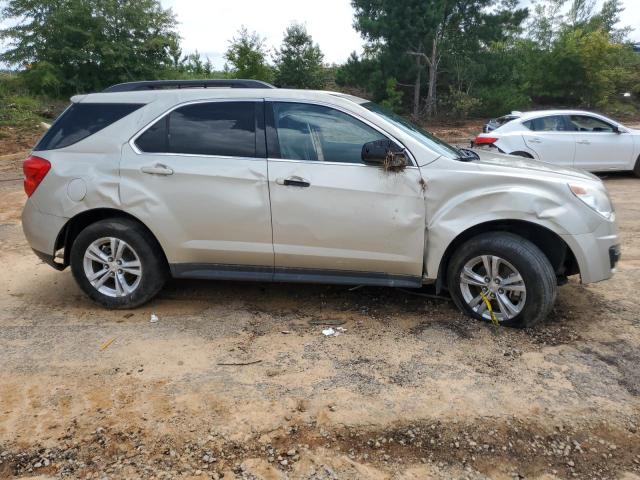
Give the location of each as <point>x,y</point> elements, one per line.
<point>636,168</point>
<point>118,263</point>
<point>521,286</point>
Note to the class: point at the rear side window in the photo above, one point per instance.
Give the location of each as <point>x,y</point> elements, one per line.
<point>81,120</point>
<point>553,123</point>
<point>217,128</point>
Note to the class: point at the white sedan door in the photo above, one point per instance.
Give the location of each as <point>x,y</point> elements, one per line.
<point>599,147</point>
<point>550,139</point>
<point>335,218</point>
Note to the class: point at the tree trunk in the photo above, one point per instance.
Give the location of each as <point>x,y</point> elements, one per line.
<point>433,76</point>
<point>416,88</point>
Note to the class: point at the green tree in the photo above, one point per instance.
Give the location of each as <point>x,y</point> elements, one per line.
<point>247,56</point>
<point>299,61</point>
<point>393,97</point>
<point>67,46</point>
<point>425,30</point>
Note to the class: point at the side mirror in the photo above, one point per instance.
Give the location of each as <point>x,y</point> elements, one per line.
<point>616,129</point>
<point>384,153</point>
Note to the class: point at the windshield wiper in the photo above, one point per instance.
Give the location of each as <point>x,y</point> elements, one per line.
<point>466,155</point>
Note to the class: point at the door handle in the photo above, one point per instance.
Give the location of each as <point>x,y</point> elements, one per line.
<point>293,182</point>
<point>157,169</point>
<point>584,142</point>
<point>535,140</point>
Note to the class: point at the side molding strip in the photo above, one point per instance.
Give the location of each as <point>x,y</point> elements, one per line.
<point>207,271</point>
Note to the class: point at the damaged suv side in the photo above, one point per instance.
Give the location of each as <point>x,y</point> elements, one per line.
<point>147,181</point>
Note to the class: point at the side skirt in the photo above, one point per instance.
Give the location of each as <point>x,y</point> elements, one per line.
<point>206,271</point>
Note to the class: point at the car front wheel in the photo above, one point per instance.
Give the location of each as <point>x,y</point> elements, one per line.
<point>117,263</point>
<point>503,277</point>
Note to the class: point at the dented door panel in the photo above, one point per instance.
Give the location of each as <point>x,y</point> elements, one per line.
<point>351,217</point>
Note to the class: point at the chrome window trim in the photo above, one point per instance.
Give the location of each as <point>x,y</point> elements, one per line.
<point>318,162</point>
<point>132,140</point>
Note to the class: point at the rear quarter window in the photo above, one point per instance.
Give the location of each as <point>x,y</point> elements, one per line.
<point>82,120</point>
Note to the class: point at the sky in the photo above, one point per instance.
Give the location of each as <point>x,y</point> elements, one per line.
<point>208,26</point>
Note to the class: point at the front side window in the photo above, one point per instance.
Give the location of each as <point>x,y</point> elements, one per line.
<point>585,123</point>
<point>215,128</point>
<point>318,133</point>
<point>82,120</point>
<point>553,123</point>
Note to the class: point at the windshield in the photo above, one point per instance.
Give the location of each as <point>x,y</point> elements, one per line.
<point>424,137</point>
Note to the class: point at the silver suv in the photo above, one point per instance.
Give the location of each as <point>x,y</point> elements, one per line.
<point>151,180</point>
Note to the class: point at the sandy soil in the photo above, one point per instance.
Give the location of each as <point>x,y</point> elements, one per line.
<point>411,390</point>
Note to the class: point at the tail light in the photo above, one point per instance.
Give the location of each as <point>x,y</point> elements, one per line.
<point>35,169</point>
<point>485,140</point>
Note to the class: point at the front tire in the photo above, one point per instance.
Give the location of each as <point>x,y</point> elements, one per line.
<point>510,272</point>
<point>117,263</point>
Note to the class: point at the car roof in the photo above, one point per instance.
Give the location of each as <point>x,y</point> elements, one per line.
<point>545,113</point>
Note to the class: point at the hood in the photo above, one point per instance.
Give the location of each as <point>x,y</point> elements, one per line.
<point>498,159</point>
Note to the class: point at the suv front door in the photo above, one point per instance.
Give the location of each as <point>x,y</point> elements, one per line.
<point>197,177</point>
<point>334,218</point>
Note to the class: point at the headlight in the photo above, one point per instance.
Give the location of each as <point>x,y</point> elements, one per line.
<point>595,198</point>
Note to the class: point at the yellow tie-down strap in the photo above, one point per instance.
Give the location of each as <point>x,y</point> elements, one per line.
<point>494,319</point>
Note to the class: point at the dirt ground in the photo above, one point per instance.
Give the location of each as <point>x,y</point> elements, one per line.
<point>236,380</point>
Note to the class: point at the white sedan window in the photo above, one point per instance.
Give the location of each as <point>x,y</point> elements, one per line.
<point>553,123</point>
<point>585,123</point>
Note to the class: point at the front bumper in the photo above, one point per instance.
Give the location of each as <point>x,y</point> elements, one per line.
<point>597,253</point>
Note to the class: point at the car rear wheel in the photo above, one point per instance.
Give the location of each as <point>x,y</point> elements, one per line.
<point>117,263</point>
<point>504,276</point>
<point>636,168</point>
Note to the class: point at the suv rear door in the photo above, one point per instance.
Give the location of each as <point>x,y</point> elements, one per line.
<point>197,177</point>
<point>334,218</point>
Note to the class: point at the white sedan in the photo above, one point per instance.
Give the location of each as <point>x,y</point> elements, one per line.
<point>570,138</point>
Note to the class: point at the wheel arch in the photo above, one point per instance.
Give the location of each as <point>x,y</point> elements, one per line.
<point>562,260</point>
<point>82,220</point>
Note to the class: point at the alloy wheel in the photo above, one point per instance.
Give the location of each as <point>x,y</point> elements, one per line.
<point>112,266</point>
<point>498,281</point>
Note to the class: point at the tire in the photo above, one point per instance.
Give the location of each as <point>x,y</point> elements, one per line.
<point>636,168</point>
<point>142,269</point>
<point>516,256</point>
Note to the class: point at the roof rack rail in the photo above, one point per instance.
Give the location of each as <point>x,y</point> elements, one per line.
<point>177,84</point>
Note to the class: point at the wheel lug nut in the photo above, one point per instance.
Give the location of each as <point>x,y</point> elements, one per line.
<point>487,279</point>
<point>500,291</point>
<point>110,259</point>
<point>120,271</point>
